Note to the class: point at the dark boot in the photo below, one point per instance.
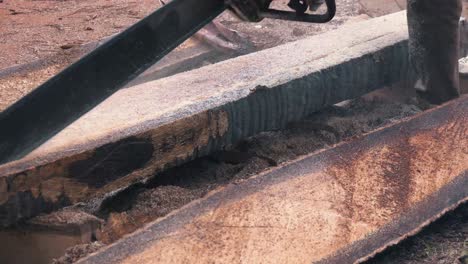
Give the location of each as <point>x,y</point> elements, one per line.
<point>434,47</point>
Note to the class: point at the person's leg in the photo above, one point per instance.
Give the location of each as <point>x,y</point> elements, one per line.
<point>434,46</point>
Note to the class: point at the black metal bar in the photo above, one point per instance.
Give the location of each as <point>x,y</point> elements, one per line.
<point>65,97</point>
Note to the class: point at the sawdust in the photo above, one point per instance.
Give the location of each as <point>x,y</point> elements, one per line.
<point>18,85</point>
<point>65,217</point>
<point>143,207</point>
<point>75,253</point>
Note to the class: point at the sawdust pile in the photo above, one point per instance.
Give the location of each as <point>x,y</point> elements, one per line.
<point>75,253</point>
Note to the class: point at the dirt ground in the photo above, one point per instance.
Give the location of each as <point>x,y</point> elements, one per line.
<point>34,30</point>
<point>40,38</point>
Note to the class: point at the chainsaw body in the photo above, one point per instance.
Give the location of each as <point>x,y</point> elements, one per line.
<point>256,10</point>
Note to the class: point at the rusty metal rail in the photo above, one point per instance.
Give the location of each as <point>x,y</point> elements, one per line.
<point>340,205</point>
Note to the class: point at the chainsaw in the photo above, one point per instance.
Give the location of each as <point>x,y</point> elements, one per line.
<point>77,89</point>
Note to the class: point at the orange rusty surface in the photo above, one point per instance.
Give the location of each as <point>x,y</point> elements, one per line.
<point>311,209</point>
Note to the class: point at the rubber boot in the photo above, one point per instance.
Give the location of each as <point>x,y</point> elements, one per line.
<point>434,47</point>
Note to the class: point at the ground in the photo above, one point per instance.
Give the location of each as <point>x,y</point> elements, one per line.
<point>38,29</point>
<point>42,37</point>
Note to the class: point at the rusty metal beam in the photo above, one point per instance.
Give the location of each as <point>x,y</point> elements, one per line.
<point>340,205</point>
<point>149,127</point>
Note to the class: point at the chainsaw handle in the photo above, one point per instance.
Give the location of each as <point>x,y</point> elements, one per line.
<point>302,17</point>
